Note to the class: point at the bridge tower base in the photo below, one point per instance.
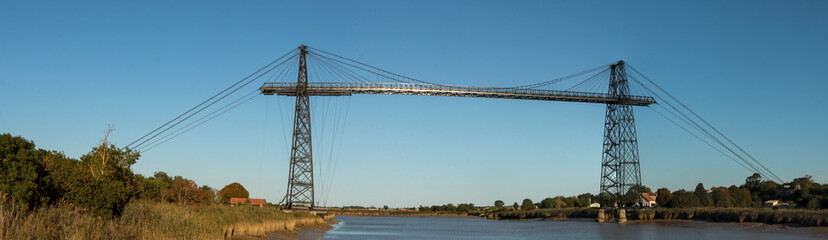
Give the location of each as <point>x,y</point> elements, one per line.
<point>619,165</point>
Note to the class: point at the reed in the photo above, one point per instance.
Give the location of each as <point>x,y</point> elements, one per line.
<point>555,213</point>
<point>771,216</point>
<point>149,220</point>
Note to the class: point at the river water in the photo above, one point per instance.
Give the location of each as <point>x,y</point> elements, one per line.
<point>353,227</point>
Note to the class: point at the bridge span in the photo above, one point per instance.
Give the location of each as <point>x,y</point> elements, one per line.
<point>349,88</point>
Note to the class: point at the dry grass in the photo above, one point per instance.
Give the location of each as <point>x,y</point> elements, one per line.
<point>554,213</point>
<point>772,216</point>
<point>149,220</point>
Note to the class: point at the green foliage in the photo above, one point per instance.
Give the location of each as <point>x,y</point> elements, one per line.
<point>101,182</point>
<point>701,194</point>
<point>663,197</point>
<point>547,203</point>
<point>209,195</point>
<point>766,215</point>
<point>585,199</point>
<point>557,213</point>
<point>722,198</point>
<point>184,191</point>
<point>233,190</point>
<point>633,194</point>
<point>460,208</point>
<point>498,203</point>
<point>527,204</point>
<point>465,207</point>
<point>753,182</point>
<point>683,199</point>
<point>146,219</point>
<point>516,206</point>
<point>741,197</point>
<point>557,202</point>
<point>23,179</point>
<point>152,187</point>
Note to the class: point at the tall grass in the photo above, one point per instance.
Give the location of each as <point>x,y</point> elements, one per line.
<point>149,220</point>
<point>765,215</point>
<point>547,213</point>
<point>59,223</point>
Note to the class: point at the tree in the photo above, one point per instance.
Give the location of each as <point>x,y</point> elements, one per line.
<point>450,207</point>
<point>722,198</point>
<point>516,206</point>
<point>663,197</point>
<point>528,204</point>
<point>585,199</point>
<point>570,202</point>
<point>209,195</point>
<point>465,207</point>
<point>752,183</point>
<point>102,180</point>
<point>767,190</point>
<point>683,199</point>
<point>153,187</point>
<point>233,190</point>
<point>498,203</point>
<point>184,191</point>
<point>701,194</point>
<point>22,178</point>
<point>547,203</point>
<point>385,207</point>
<point>741,197</point>
<point>633,194</point>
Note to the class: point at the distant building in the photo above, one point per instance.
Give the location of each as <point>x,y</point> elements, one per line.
<point>771,203</point>
<point>710,192</point>
<point>647,200</point>
<point>595,205</point>
<point>787,189</point>
<point>248,201</point>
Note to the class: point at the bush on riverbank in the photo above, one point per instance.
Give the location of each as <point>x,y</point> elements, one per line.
<point>148,220</point>
<point>555,213</point>
<point>770,216</point>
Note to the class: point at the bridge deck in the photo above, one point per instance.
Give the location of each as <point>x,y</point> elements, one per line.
<point>349,88</point>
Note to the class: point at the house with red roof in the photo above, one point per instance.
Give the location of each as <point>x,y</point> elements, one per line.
<point>248,201</point>
<point>647,200</point>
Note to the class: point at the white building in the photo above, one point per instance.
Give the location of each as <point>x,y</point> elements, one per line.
<point>647,200</point>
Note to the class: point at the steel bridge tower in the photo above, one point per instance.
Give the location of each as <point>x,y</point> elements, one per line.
<point>300,181</point>
<point>619,165</point>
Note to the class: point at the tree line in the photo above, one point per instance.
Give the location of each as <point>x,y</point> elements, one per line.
<point>801,193</point>
<point>100,182</point>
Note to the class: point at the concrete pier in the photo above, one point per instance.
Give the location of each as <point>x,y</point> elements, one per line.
<point>601,217</point>
<point>622,216</point>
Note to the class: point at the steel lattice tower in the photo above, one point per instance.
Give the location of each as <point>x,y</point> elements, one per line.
<point>619,166</point>
<point>300,182</point>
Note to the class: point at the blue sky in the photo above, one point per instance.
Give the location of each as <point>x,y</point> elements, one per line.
<point>755,69</point>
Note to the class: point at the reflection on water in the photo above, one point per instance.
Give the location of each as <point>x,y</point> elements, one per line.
<point>351,227</point>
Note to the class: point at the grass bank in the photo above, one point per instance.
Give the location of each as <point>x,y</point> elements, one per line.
<point>811,218</point>
<point>554,213</point>
<point>149,220</point>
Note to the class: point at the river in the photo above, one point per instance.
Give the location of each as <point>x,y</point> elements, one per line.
<point>353,227</point>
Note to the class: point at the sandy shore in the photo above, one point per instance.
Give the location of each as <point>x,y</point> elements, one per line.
<point>305,232</point>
